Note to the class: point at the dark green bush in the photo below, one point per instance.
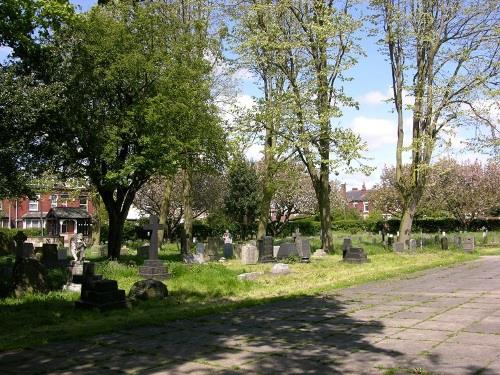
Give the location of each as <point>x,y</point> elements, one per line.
<point>307,226</point>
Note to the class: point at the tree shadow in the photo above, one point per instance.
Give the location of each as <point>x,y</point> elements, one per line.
<point>294,335</point>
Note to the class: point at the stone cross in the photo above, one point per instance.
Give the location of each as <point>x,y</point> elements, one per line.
<point>153,226</point>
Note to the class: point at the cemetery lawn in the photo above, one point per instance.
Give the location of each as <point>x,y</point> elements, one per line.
<point>198,290</point>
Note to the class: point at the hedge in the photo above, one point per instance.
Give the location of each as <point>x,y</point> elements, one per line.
<point>7,238</point>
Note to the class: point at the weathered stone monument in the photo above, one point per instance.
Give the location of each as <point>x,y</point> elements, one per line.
<point>444,243</point>
<point>346,245</point>
<point>303,247</point>
<point>49,256</point>
<point>143,251</point>
<point>412,244</point>
<point>265,247</point>
<point>249,254</point>
<point>153,268</point>
<point>398,247</point>
<point>213,248</point>
<point>468,244</point>
<point>286,250</point>
<point>355,255</point>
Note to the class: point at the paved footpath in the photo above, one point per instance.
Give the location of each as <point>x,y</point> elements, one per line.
<point>444,321</point>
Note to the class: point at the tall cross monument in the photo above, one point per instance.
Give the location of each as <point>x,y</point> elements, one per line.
<point>153,268</point>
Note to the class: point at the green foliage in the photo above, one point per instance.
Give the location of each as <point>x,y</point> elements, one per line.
<point>352,226</point>
<point>242,202</point>
<point>346,213</point>
<point>7,238</point>
<point>307,226</point>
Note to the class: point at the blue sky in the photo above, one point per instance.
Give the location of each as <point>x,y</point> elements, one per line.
<point>373,121</point>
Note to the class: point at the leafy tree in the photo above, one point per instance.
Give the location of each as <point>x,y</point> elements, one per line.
<point>242,201</point>
<point>445,54</point>
<point>130,94</point>
<point>314,45</point>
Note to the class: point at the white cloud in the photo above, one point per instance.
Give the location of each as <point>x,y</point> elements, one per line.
<point>377,132</point>
<point>244,75</point>
<point>378,97</point>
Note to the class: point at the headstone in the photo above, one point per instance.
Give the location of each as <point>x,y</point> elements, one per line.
<point>319,253</point>
<point>200,248</point>
<point>250,275</point>
<point>153,268</point>
<point>193,258</point>
<point>390,240</point>
<point>228,250</point>
<point>213,248</point>
<point>78,273</point>
<point>249,254</point>
<point>143,251</point>
<point>355,255</point>
<point>286,250</point>
<point>102,294</point>
<point>436,238</point>
<point>468,244</point>
<point>444,243</point>
<point>103,250</point>
<point>412,244</point>
<point>49,255</point>
<point>398,246</point>
<point>280,269</point>
<point>303,249</point>
<point>347,244</point>
<point>26,250</point>
<point>275,250</point>
<point>62,254</point>
<point>124,250</point>
<point>265,247</point>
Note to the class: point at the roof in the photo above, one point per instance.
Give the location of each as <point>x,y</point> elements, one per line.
<point>69,213</point>
<point>34,215</point>
<point>357,195</point>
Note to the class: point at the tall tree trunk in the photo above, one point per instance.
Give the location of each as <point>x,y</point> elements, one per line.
<point>267,189</point>
<point>165,208</point>
<point>322,189</point>
<point>96,219</point>
<point>188,209</point>
<point>115,234</point>
<point>406,223</point>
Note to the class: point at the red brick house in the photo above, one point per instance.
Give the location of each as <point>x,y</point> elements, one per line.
<point>358,199</point>
<point>70,211</point>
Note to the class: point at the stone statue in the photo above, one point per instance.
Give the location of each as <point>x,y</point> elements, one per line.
<point>227,237</point>
<point>78,247</point>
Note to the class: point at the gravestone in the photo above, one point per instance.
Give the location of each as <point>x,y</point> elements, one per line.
<point>249,254</point>
<point>286,250</point>
<point>228,250</point>
<point>436,239</point>
<point>347,244</point>
<point>26,250</point>
<point>303,249</point>
<point>213,248</point>
<point>265,247</point>
<point>62,254</point>
<point>468,244</point>
<point>99,293</point>
<point>320,253</point>
<point>281,269</point>
<point>412,244</point>
<point>398,247</point>
<point>49,255</point>
<point>200,248</point>
<point>390,240</point>
<point>457,240</point>
<point>355,255</point>
<point>444,243</point>
<point>153,268</point>
<point>275,250</point>
<point>78,273</point>
<point>143,251</point>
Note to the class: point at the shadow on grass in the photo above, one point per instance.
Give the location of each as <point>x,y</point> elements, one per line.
<point>284,336</point>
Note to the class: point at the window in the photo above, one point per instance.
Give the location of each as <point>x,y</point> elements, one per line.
<point>53,200</point>
<point>365,206</point>
<point>68,226</point>
<point>33,204</point>
<point>84,202</point>
<point>64,200</point>
<point>32,223</point>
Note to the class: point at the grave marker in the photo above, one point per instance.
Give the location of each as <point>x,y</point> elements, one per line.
<point>153,268</point>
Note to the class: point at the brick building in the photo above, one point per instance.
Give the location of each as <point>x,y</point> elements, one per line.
<point>69,211</point>
<point>358,199</point>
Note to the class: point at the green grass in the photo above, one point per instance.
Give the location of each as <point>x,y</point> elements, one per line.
<point>198,290</point>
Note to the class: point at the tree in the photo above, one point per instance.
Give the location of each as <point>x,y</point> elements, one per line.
<point>445,54</point>
<point>315,45</point>
<point>467,190</point>
<point>243,200</point>
<point>129,91</point>
<point>208,190</point>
